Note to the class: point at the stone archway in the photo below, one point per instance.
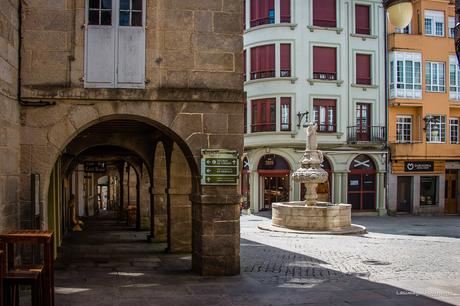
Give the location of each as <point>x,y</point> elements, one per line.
<point>179,123</point>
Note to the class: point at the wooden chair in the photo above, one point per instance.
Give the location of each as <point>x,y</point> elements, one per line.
<point>40,278</point>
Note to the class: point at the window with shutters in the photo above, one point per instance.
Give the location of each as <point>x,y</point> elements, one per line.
<point>435,79</point>
<point>324,115</point>
<point>244,65</point>
<point>262,12</point>
<point>263,115</point>
<point>434,23</point>
<point>405,75</point>
<point>115,44</point>
<point>362,19</point>
<point>285,11</point>
<point>363,69</point>
<point>263,62</point>
<point>285,114</point>
<point>325,13</point>
<point>285,60</point>
<point>324,63</point>
<point>454,78</point>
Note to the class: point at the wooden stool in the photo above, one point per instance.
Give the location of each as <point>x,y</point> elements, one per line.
<point>30,277</point>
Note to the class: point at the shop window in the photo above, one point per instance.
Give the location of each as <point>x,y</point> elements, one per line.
<point>404,129</point>
<point>435,129</point>
<point>428,190</point>
<point>363,69</point>
<point>263,115</point>
<point>324,115</point>
<point>453,126</point>
<point>285,114</point>
<point>362,19</point>
<point>324,63</point>
<point>325,13</point>
<point>454,78</point>
<point>285,60</point>
<point>285,11</point>
<point>274,171</point>
<point>435,77</point>
<point>263,62</point>
<point>434,23</point>
<point>262,12</point>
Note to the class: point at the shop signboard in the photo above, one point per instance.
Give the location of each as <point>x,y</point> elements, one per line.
<point>219,167</point>
<point>95,167</point>
<point>419,166</point>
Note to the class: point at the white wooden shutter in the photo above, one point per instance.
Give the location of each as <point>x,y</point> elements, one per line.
<point>100,57</point>
<point>131,57</point>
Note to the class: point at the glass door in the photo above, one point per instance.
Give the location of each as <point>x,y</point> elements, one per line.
<point>276,189</point>
<point>363,121</point>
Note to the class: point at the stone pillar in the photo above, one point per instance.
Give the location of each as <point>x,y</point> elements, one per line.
<point>144,199</point>
<point>160,215</point>
<point>344,190</point>
<point>180,221</point>
<point>216,232</point>
<point>381,194</point>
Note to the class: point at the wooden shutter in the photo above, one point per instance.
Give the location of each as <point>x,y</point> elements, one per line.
<point>244,65</point>
<point>363,69</point>
<point>131,57</point>
<point>324,13</point>
<point>324,61</point>
<point>254,10</point>
<point>285,11</point>
<point>285,50</point>
<point>362,19</point>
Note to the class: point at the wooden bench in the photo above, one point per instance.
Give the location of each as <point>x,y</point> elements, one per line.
<point>40,278</point>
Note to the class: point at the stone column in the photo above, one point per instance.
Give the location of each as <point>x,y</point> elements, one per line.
<point>144,199</point>
<point>216,232</point>
<point>381,194</point>
<point>160,215</point>
<point>180,220</point>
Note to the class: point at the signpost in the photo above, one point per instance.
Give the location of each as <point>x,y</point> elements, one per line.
<point>219,167</point>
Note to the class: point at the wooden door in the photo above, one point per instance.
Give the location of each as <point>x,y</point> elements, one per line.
<point>363,121</point>
<point>404,196</point>
<point>450,206</point>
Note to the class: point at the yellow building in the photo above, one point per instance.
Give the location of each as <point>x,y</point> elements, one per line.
<point>424,112</point>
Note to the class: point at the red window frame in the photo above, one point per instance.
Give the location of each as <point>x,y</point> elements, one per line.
<point>362,19</point>
<point>285,60</point>
<point>327,104</point>
<point>260,12</point>
<point>263,115</point>
<point>245,122</point>
<point>263,62</point>
<point>324,63</point>
<point>285,11</point>
<point>325,13</point>
<point>285,101</point>
<point>363,69</point>
<point>244,65</point>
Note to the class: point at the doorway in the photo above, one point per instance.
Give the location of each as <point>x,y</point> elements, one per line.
<point>451,192</point>
<point>274,172</point>
<point>363,121</point>
<point>362,184</point>
<point>404,196</point>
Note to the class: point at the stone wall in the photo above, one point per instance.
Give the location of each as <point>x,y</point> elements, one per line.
<point>9,115</point>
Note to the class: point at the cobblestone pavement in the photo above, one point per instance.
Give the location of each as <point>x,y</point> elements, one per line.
<point>395,264</point>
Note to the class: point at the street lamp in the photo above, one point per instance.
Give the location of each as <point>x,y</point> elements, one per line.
<point>399,12</point>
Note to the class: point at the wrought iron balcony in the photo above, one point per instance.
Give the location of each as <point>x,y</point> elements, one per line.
<point>375,134</point>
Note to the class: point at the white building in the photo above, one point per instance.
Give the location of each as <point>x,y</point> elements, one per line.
<point>326,57</point>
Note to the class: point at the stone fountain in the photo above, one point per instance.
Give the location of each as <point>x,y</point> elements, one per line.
<point>311,216</point>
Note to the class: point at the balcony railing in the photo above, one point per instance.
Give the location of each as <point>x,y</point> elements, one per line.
<point>262,21</point>
<point>262,74</point>
<point>366,134</point>
<point>324,76</point>
<point>263,127</point>
<point>285,19</point>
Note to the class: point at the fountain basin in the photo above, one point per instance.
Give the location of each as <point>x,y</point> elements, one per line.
<point>321,217</point>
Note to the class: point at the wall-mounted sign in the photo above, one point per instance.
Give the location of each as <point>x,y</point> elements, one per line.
<point>419,166</point>
<point>219,167</point>
<point>95,167</point>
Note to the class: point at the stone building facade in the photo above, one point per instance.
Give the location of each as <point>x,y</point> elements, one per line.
<point>171,88</point>
<point>9,115</point>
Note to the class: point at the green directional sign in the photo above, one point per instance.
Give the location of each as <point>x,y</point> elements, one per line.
<point>219,167</point>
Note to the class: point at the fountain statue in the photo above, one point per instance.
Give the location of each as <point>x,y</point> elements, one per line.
<point>311,216</point>
<point>310,173</point>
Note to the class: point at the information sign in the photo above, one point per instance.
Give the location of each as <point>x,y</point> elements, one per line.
<point>219,167</point>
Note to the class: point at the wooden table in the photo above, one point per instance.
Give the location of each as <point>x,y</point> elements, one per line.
<point>44,238</point>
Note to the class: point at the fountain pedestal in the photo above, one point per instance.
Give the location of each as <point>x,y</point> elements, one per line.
<point>310,215</point>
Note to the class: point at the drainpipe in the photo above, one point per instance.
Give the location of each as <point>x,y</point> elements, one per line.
<point>387,148</point>
<point>19,85</point>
